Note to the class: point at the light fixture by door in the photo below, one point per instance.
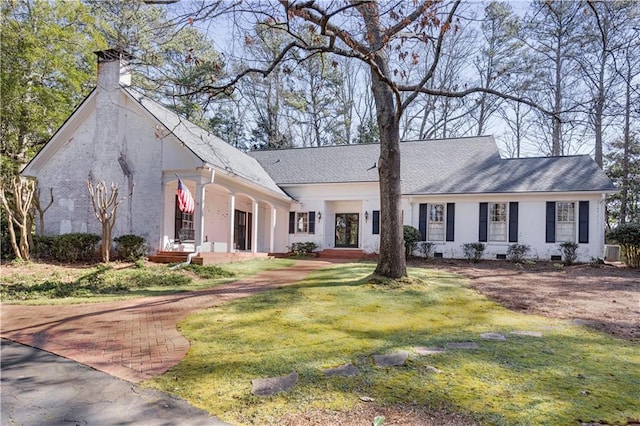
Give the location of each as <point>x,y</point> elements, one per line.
<point>319,216</point>
<point>366,216</point>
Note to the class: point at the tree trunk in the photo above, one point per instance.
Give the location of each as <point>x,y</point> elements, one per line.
<point>391,262</point>
<point>624,190</point>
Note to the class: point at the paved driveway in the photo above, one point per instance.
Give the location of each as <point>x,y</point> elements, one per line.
<point>136,339</point>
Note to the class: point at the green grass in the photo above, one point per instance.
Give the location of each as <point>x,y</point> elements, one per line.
<point>121,281</point>
<point>568,376</point>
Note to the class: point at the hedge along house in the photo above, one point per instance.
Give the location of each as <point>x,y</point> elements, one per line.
<point>119,135</point>
<point>455,191</point>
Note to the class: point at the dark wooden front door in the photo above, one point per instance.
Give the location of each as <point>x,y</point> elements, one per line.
<point>242,230</point>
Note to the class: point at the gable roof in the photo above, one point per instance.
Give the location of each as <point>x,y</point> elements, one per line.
<point>207,147</point>
<point>445,166</point>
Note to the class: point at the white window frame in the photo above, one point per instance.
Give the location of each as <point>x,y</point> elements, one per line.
<point>436,222</point>
<point>498,222</point>
<point>566,221</point>
<point>302,223</point>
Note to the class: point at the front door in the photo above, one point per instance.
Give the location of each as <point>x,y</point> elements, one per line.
<point>347,229</point>
<point>242,231</point>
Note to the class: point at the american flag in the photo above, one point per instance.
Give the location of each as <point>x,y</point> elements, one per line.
<point>185,200</point>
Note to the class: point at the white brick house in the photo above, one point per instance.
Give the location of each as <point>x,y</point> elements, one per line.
<point>454,191</point>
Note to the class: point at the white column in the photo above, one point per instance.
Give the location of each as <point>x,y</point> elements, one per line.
<point>232,210</point>
<point>272,228</point>
<point>198,220</point>
<point>254,227</point>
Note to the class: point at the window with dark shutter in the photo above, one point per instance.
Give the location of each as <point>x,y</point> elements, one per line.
<point>422,221</point>
<point>292,222</point>
<point>551,222</point>
<point>451,220</point>
<point>312,222</point>
<point>513,222</point>
<point>583,222</point>
<point>375,221</point>
<point>483,222</point>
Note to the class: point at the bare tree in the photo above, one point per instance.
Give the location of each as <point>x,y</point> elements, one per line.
<point>384,36</point>
<point>17,208</point>
<point>105,206</point>
<point>41,210</point>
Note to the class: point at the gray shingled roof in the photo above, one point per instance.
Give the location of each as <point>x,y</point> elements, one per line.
<point>449,166</point>
<point>209,148</point>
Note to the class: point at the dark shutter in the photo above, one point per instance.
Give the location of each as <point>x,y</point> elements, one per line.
<point>513,222</point>
<point>375,220</point>
<point>483,222</point>
<point>422,221</point>
<point>292,222</point>
<point>451,220</point>
<point>312,222</point>
<point>583,222</point>
<point>551,222</point>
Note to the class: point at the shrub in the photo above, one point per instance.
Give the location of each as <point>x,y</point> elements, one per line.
<point>569,252</point>
<point>473,251</point>
<point>131,247</point>
<point>517,252</point>
<point>42,247</point>
<point>426,249</point>
<point>411,238</point>
<point>303,248</point>
<point>74,247</point>
<point>628,236</point>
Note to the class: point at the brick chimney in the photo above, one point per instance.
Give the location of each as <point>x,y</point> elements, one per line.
<point>113,68</point>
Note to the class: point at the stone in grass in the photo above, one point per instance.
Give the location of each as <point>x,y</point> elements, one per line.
<point>527,333</point>
<point>463,345</point>
<point>421,350</point>
<point>274,385</point>
<point>391,360</point>
<point>344,370</point>
<point>493,336</point>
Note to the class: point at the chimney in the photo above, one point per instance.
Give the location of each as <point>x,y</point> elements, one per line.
<point>113,68</point>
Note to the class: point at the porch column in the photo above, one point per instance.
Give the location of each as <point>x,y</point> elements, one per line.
<point>254,227</point>
<point>198,219</point>
<point>232,215</point>
<point>272,228</point>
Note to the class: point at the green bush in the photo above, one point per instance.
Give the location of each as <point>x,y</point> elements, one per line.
<point>569,252</point>
<point>6,251</point>
<point>42,246</point>
<point>473,251</point>
<point>208,272</point>
<point>411,238</point>
<point>517,252</point>
<point>71,248</point>
<point>303,248</point>
<point>628,236</point>
<point>131,247</point>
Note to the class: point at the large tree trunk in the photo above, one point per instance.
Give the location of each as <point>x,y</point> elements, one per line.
<point>391,262</point>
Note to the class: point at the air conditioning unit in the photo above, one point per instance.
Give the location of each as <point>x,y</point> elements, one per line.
<point>611,253</point>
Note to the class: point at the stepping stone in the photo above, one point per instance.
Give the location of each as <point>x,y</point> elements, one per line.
<point>463,345</point>
<point>526,333</point>
<point>579,321</point>
<point>421,350</point>
<point>344,370</point>
<point>433,369</point>
<point>273,385</point>
<point>391,360</point>
<point>493,336</point>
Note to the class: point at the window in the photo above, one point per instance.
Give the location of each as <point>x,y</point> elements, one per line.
<point>498,222</point>
<point>435,225</point>
<point>302,223</point>
<point>565,222</point>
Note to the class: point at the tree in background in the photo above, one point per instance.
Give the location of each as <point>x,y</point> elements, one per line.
<point>47,68</point>
<point>16,197</point>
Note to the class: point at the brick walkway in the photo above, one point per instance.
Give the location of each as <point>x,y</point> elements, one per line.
<point>134,339</point>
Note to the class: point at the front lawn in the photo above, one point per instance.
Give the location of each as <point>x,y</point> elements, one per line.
<point>42,283</point>
<point>568,375</point>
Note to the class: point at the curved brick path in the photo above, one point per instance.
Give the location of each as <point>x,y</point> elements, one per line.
<point>133,339</point>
